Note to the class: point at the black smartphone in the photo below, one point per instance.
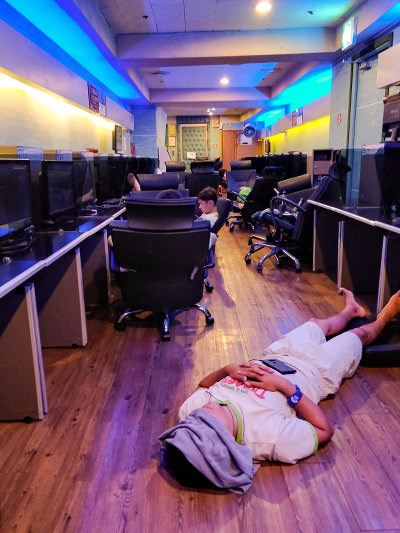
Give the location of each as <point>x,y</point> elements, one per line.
<point>279,366</point>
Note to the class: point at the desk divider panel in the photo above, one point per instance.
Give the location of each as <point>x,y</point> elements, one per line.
<point>60,302</point>
<point>22,386</point>
<point>326,233</point>
<point>362,247</point>
<point>95,269</point>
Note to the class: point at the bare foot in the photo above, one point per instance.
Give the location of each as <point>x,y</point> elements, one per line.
<point>133,182</point>
<point>391,309</point>
<point>350,303</point>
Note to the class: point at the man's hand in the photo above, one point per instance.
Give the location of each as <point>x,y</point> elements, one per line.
<point>269,379</point>
<point>240,372</point>
<point>243,371</point>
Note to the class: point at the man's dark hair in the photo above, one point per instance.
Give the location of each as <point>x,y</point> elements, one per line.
<point>209,193</point>
<point>182,470</point>
<point>168,194</point>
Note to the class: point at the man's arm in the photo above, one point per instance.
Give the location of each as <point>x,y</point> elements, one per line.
<point>305,408</point>
<point>235,371</point>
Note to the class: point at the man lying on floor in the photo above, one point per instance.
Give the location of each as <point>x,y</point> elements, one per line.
<point>246,412</point>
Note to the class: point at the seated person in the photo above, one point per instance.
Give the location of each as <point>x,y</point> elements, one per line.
<point>223,180</point>
<point>243,194</point>
<point>246,412</point>
<point>208,206</point>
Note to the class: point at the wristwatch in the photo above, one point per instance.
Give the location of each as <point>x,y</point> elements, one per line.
<point>295,397</point>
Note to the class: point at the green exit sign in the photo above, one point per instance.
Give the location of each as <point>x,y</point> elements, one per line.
<point>349,33</point>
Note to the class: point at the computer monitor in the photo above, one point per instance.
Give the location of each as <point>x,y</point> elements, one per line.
<point>85,190</point>
<point>57,190</point>
<point>15,196</point>
<point>110,176</point>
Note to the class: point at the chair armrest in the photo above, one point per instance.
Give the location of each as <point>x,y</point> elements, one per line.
<point>210,260</point>
<point>281,206</point>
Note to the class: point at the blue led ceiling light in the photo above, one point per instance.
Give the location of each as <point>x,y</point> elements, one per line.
<point>50,27</point>
<point>271,116</point>
<point>310,87</point>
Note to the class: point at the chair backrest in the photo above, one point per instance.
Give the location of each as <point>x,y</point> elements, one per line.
<point>153,214</point>
<point>217,163</point>
<point>183,193</point>
<point>224,207</point>
<point>241,178</point>
<point>243,164</point>
<point>259,197</point>
<point>328,187</point>
<point>202,167</point>
<point>151,182</point>
<point>197,182</point>
<point>295,184</point>
<point>165,268</point>
<point>175,166</point>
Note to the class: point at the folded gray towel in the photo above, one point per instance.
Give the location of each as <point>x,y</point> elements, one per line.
<point>211,449</point>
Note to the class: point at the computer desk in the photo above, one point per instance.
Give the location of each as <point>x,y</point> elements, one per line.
<point>359,247</point>
<point>43,295</point>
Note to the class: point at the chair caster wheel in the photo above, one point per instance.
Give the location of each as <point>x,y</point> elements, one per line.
<point>166,337</point>
<point>209,288</point>
<point>231,228</point>
<point>247,260</point>
<point>250,242</point>
<point>120,326</point>
<point>259,268</point>
<point>209,321</point>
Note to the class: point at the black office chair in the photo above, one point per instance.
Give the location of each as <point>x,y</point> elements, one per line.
<point>182,193</point>
<point>240,175</point>
<point>162,254</point>
<point>175,166</point>
<point>153,182</point>
<point>196,182</point>
<point>292,223</point>
<point>224,207</point>
<point>257,200</point>
<point>217,164</point>
<point>205,166</point>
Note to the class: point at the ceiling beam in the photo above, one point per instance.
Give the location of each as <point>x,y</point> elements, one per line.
<point>225,47</point>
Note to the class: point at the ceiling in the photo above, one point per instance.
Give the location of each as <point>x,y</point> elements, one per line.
<point>172,53</point>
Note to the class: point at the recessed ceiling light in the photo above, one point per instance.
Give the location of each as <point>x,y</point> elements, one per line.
<point>224,81</point>
<point>263,7</point>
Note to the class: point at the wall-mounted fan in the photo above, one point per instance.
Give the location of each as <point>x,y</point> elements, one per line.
<point>249,129</point>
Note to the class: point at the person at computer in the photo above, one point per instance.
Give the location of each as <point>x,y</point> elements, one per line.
<point>249,412</point>
<point>207,199</point>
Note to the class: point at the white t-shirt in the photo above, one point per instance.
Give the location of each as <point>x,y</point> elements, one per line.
<point>271,429</point>
<point>211,217</point>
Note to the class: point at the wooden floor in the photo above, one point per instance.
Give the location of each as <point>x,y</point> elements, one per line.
<point>92,465</point>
